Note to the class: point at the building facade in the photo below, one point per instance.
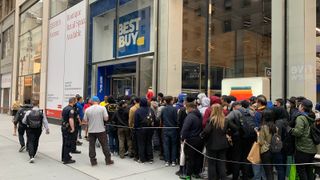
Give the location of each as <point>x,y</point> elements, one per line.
<point>123,47</point>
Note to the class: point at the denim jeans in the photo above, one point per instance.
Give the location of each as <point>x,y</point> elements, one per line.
<point>258,172</point>
<point>170,145</point>
<point>279,158</point>
<point>113,141</point>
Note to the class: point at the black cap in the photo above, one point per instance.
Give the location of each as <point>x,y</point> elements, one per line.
<point>307,104</point>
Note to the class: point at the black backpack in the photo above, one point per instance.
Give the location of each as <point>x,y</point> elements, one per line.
<point>21,114</point>
<point>34,119</point>
<point>315,133</point>
<point>276,144</point>
<point>149,121</point>
<point>247,125</point>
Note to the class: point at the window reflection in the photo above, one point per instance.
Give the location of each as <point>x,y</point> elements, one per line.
<point>7,45</point>
<point>58,6</point>
<point>31,18</point>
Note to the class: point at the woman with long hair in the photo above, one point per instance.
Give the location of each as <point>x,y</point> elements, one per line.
<point>267,130</point>
<point>217,142</point>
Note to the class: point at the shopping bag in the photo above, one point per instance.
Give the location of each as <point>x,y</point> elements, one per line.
<point>182,156</point>
<point>254,155</point>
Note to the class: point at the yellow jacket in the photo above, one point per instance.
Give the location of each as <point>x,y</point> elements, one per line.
<point>132,111</point>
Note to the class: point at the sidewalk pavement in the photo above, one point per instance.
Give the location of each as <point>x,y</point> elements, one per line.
<point>15,165</point>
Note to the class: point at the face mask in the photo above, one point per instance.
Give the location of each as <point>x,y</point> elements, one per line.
<point>288,105</point>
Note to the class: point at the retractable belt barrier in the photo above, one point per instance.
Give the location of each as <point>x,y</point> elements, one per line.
<point>216,159</point>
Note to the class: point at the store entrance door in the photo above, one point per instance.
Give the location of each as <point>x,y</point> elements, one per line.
<point>123,85</point>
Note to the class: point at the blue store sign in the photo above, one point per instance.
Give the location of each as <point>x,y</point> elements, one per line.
<point>134,33</point>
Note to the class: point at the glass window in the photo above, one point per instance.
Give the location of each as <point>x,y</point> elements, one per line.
<point>7,45</point>
<point>239,42</point>
<point>58,6</point>
<point>30,52</point>
<point>9,6</point>
<point>135,28</point>
<point>103,33</point>
<point>146,66</point>
<point>31,18</point>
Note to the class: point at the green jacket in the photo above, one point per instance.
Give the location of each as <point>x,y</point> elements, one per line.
<point>301,131</point>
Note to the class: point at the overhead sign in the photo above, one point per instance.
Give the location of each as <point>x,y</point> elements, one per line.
<point>134,33</point>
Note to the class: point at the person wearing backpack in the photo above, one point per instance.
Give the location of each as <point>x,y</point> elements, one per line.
<point>34,119</point>
<point>17,121</point>
<point>304,145</point>
<point>169,120</point>
<point>281,121</point>
<point>144,119</point>
<point>112,130</point>
<point>265,137</point>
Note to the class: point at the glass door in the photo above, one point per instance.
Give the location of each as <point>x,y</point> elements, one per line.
<point>123,85</point>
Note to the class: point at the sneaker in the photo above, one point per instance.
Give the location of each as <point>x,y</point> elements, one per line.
<point>22,148</point>
<point>93,162</point>
<point>151,161</point>
<point>76,152</point>
<point>31,160</point>
<point>167,164</point>
<point>173,164</point>
<point>109,162</point>
<point>69,161</point>
<point>178,173</point>
<point>140,162</point>
<point>183,176</point>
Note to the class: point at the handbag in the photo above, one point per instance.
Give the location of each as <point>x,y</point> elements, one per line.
<point>254,155</point>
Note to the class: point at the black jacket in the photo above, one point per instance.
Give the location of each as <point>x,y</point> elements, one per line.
<point>192,125</point>
<point>169,116</point>
<point>216,138</point>
<point>121,117</point>
<point>142,113</point>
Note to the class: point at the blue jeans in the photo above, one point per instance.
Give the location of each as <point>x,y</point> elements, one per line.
<point>113,141</point>
<point>170,145</point>
<point>258,172</point>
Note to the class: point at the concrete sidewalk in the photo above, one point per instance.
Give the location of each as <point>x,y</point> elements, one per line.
<point>14,165</point>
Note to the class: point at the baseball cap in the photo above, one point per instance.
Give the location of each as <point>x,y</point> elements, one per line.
<point>307,104</point>
<point>95,99</point>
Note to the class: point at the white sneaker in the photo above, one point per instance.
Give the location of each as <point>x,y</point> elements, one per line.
<point>173,164</point>
<point>31,160</point>
<point>167,164</point>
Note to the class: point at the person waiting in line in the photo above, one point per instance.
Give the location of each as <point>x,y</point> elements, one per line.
<point>17,121</point>
<point>111,129</point>
<point>132,111</point>
<point>159,97</point>
<point>181,99</point>
<point>304,145</point>
<point>80,107</point>
<point>279,102</point>
<point>35,119</point>
<point>217,142</point>
<point>267,130</point>
<point>121,118</point>
<point>87,104</point>
<point>169,120</point>
<point>205,104</point>
<point>104,103</point>
<point>95,116</point>
<point>143,120</point>
<point>67,129</point>
<point>77,122</point>
<point>192,127</point>
<point>149,94</point>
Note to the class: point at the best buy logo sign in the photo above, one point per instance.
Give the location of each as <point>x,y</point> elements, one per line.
<point>129,33</point>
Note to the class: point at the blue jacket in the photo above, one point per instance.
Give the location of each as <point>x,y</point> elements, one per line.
<point>80,110</point>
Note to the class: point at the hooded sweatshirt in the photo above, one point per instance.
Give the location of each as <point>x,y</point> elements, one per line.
<point>205,104</point>
<point>200,97</point>
<point>207,113</point>
<point>301,131</point>
<point>142,113</point>
<point>192,125</point>
<point>181,99</point>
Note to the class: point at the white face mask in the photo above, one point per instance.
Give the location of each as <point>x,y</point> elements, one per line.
<point>288,105</point>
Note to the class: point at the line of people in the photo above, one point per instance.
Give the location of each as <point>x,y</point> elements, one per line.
<point>181,127</point>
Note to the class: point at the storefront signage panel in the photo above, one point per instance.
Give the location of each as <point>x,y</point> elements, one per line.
<point>66,58</point>
<point>6,81</point>
<point>134,33</point>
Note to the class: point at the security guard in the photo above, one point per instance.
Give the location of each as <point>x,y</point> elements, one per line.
<point>68,130</point>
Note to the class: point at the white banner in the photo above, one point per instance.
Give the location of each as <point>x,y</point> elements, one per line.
<point>75,51</point>
<point>6,80</point>
<point>56,62</point>
<point>66,61</point>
